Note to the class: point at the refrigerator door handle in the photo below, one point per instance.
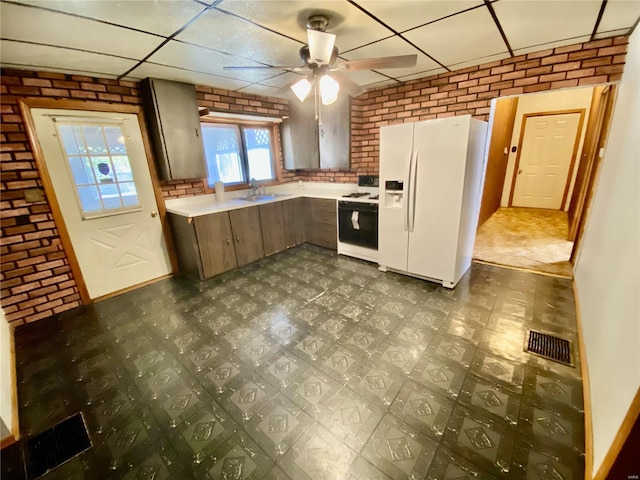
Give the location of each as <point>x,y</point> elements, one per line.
<point>411,210</point>
<point>407,192</point>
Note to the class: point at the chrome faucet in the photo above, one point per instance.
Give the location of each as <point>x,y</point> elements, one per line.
<point>254,187</point>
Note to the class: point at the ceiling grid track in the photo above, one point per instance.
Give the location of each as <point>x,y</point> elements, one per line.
<point>603,5</point>
<point>495,19</point>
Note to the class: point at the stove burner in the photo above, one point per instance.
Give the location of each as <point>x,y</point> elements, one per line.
<point>356,194</point>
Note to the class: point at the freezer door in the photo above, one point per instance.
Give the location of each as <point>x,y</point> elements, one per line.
<point>396,148</point>
<point>441,147</point>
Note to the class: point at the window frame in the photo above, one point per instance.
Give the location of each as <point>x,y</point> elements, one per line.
<point>276,160</point>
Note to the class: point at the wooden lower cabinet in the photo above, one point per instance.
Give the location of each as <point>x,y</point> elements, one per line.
<point>274,236</point>
<point>247,237</point>
<point>322,227</point>
<point>295,221</point>
<point>212,244</point>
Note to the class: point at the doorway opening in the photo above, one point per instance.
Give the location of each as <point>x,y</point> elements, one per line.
<point>542,161</point>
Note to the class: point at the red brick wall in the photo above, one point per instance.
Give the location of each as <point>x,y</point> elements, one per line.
<point>35,273</point>
<point>469,91</point>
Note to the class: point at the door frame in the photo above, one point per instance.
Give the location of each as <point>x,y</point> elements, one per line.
<point>26,105</point>
<point>576,144</point>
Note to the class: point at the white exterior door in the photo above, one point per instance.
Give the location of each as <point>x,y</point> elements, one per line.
<point>546,153</point>
<point>98,167</point>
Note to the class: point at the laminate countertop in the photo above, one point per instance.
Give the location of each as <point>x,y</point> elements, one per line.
<point>207,204</point>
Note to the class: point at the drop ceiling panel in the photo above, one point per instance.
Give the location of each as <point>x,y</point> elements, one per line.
<point>170,73</point>
<point>160,17</point>
<point>353,27</point>
<point>403,15</point>
<point>546,46</point>
<point>534,23</point>
<point>279,81</point>
<point>611,33</point>
<point>61,30</point>
<point>463,37</point>
<point>199,59</point>
<point>479,61</point>
<point>257,89</point>
<point>226,33</point>
<point>42,57</point>
<point>619,14</point>
<point>365,77</point>
<point>389,47</point>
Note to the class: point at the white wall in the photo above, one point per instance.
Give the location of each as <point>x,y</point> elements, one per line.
<point>6,373</point>
<point>607,272</point>
<point>573,98</point>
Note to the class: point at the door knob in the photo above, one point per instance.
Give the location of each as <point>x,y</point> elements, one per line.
<point>154,214</point>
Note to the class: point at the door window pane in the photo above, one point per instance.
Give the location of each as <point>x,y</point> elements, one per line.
<point>99,166</point>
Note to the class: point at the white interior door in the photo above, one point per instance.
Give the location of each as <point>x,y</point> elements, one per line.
<point>98,167</point>
<point>545,157</point>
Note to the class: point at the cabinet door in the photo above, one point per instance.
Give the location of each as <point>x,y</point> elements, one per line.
<point>171,110</point>
<point>245,224</point>
<point>300,136</point>
<point>186,245</point>
<point>215,243</point>
<point>273,227</point>
<point>295,221</point>
<point>335,134</point>
<point>323,223</point>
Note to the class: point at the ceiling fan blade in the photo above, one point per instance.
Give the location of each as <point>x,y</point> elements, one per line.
<point>348,85</point>
<point>266,67</point>
<point>320,46</point>
<point>379,63</point>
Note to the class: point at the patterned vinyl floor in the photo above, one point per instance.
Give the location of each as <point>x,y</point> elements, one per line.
<point>306,365</point>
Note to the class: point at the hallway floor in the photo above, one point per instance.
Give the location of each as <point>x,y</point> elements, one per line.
<point>307,365</point>
<point>529,238</point>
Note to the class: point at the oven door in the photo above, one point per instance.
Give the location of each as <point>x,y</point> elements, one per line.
<point>358,224</point>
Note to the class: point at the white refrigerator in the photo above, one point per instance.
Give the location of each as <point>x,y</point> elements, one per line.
<point>431,176</point>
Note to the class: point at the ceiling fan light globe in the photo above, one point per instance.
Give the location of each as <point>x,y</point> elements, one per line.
<point>320,47</point>
<point>329,89</point>
<point>301,89</point>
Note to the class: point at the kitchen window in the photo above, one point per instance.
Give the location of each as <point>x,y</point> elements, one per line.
<point>236,153</point>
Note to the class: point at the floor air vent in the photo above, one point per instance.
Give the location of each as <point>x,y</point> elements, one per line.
<point>55,446</point>
<point>550,347</point>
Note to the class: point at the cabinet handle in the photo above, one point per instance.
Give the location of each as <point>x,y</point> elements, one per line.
<point>228,242</point>
<point>197,133</point>
<point>237,238</point>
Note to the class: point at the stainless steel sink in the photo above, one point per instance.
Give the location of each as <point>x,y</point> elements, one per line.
<point>263,198</point>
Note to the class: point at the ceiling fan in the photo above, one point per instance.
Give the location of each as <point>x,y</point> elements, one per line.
<point>323,74</point>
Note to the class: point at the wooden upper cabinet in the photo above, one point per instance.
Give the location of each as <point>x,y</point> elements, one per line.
<point>215,243</point>
<point>171,110</point>
<point>273,227</point>
<point>308,144</point>
<point>245,225</point>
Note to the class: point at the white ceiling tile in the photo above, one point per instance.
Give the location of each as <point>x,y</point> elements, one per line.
<point>226,33</point>
<point>58,29</point>
<point>619,14</point>
<point>460,38</point>
<point>389,47</point>
<point>479,61</point>
<point>160,17</point>
<point>405,14</point>
<point>386,83</point>
<point>546,46</point>
<point>199,59</point>
<point>415,76</point>
<point>257,89</point>
<point>42,57</point>
<point>169,73</point>
<point>532,23</point>
<point>352,27</point>
<point>364,77</point>
<point>611,33</point>
<point>280,81</point>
